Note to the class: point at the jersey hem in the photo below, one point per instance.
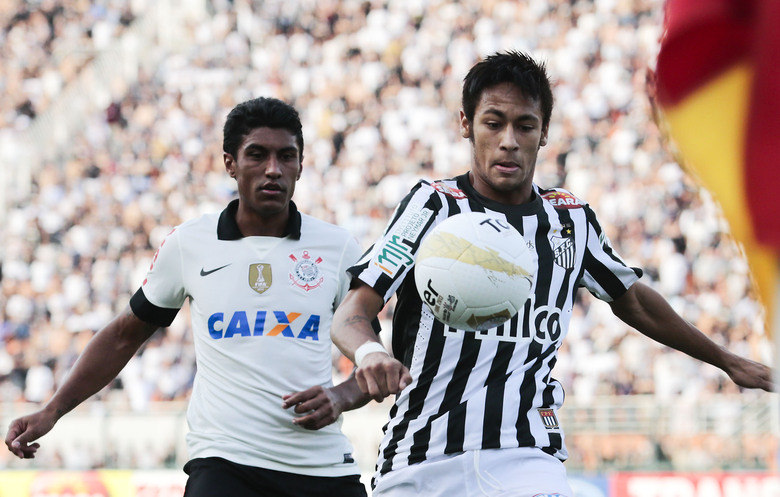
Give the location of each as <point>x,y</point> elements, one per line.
<point>337,470</point>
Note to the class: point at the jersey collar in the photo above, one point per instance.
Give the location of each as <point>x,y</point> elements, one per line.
<point>526,209</point>
<point>227,228</point>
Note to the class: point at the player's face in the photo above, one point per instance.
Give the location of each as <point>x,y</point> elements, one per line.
<point>266,169</point>
<point>506,135</point>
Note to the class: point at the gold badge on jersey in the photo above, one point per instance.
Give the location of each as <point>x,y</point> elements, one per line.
<point>260,278</point>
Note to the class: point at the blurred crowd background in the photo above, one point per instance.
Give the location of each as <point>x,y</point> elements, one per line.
<point>377,83</point>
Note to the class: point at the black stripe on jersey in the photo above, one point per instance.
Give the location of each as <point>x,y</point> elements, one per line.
<point>606,278</point>
<point>494,397</point>
<point>564,217</point>
<point>450,405</point>
<point>592,221</point>
<point>409,306</point>
<point>556,440</point>
<point>403,204</point>
<point>543,281</point>
<point>547,395</point>
<point>452,204</point>
<point>475,206</point>
<point>526,319</point>
<point>513,325</point>
<point>357,269</point>
<point>516,221</point>
<point>418,394</point>
<point>527,390</point>
<point>456,423</point>
<point>150,313</point>
<point>406,320</point>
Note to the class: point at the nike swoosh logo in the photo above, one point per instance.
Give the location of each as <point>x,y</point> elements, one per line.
<point>206,273</point>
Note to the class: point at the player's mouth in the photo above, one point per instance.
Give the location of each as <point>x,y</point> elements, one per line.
<point>271,189</point>
<point>506,166</point>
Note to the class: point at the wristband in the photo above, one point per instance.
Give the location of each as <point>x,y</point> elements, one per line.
<point>368,348</point>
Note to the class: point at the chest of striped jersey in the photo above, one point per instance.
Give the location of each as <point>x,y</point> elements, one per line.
<point>489,389</point>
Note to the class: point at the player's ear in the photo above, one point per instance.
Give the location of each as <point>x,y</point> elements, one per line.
<point>543,139</point>
<point>230,164</point>
<point>465,126</point>
<point>300,168</point>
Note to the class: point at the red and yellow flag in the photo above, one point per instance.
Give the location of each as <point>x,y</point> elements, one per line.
<point>718,86</point>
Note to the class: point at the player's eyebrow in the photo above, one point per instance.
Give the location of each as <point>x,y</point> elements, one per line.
<point>256,147</point>
<point>502,115</point>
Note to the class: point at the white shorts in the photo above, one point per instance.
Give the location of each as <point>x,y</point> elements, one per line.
<point>518,472</point>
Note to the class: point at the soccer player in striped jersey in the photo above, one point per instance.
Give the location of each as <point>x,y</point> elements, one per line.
<point>262,280</point>
<point>475,412</point>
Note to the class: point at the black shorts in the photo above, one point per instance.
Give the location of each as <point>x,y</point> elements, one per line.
<point>214,476</point>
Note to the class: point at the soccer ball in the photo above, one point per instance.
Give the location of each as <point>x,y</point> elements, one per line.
<point>474,271</point>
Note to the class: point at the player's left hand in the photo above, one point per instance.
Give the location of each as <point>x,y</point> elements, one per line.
<point>321,404</point>
<point>750,374</point>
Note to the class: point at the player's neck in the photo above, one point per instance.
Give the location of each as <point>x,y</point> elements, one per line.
<point>255,224</point>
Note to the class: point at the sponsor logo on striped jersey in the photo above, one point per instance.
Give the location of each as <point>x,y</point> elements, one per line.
<point>448,190</point>
<point>546,327</point>
<point>562,200</point>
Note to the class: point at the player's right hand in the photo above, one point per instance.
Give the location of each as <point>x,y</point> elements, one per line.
<point>26,429</point>
<point>380,375</point>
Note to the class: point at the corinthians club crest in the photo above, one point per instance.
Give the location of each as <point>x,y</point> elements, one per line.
<point>305,273</point>
<point>260,277</point>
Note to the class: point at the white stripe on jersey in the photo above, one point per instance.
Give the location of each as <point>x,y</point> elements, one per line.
<point>475,390</point>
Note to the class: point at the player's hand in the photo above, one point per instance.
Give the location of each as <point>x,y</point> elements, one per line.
<point>750,374</point>
<point>322,405</point>
<point>380,375</point>
<point>26,429</point>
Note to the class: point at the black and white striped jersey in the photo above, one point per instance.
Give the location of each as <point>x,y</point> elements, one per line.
<point>490,389</point>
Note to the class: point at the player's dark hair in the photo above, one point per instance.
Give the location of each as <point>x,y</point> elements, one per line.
<point>258,113</point>
<point>513,67</point>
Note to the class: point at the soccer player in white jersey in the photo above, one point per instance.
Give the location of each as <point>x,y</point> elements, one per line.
<point>475,413</point>
<point>262,281</point>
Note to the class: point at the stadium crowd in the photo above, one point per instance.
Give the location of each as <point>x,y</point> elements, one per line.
<point>45,44</point>
<point>377,84</point>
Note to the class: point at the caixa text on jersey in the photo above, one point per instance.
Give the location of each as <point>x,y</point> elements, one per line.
<point>264,323</point>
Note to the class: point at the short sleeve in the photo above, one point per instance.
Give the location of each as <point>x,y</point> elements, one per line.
<point>162,292</point>
<point>350,256</point>
<point>605,274</point>
<point>390,259</point>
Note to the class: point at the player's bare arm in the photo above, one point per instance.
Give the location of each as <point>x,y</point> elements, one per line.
<point>102,360</point>
<point>325,405</point>
<point>352,319</point>
<point>378,373</point>
<point>647,311</point>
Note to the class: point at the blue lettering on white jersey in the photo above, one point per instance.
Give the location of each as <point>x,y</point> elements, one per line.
<point>239,325</point>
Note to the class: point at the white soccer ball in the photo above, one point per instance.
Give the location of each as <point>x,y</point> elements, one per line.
<point>474,271</point>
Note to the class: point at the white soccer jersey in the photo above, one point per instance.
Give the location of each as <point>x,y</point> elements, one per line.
<point>261,310</point>
<point>489,389</point>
